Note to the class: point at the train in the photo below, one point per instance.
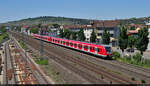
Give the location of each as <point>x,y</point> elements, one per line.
<point>104,51</point>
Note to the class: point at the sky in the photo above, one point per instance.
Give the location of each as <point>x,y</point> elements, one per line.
<point>11,10</point>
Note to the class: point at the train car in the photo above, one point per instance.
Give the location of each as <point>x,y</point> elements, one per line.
<point>99,50</point>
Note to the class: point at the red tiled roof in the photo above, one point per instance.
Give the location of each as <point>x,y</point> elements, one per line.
<point>76,26</point>
<point>106,23</point>
<point>133,31</point>
<point>136,25</point>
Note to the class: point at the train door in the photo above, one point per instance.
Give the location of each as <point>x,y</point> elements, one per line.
<point>99,50</point>
<point>85,47</point>
<point>95,50</point>
<point>75,45</point>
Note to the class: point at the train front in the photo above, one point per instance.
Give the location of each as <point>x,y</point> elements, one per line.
<point>108,51</point>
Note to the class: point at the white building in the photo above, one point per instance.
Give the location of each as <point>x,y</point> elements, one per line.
<point>148,48</point>
<point>87,32</point>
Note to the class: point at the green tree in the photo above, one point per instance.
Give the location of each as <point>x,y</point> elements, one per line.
<point>132,28</point>
<point>123,38</point>
<point>93,37</point>
<point>61,33</point>
<point>18,28</point>
<point>106,37</point>
<point>131,41</point>
<point>142,40</point>
<point>81,35</point>
<point>35,30</point>
<point>3,29</point>
<point>56,25</point>
<point>74,35</point>
<point>67,33</point>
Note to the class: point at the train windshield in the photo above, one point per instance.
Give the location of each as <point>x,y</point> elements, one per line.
<point>108,49</point>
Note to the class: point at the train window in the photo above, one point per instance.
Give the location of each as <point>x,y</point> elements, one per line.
<point>80,46</point>
<point>85,47</point>
<point>108,49</point>
<point>75,45</point>
<point>71,44</point>
<point>98,50</point>
<point>91,48</point>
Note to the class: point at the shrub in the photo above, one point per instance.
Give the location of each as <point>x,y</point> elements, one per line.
<point>133,79</point>
<point>116,55</point>
<point>42,62</point>
<point>137,57</point>
<point>143,81</point>
<point>102,77</point>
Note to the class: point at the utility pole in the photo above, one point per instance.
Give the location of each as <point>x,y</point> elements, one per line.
<point>41,42</point>
<point>103,28</point>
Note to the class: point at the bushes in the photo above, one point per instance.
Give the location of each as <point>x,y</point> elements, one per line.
<point>3,36</point>
<point>42,62</point>
<point>116,55</point>
<point>137,57</point>
<point>21,44</point>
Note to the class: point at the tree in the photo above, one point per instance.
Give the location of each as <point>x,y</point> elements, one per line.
<point>132,28</point>
<point>123,38</point>
<point>67,33</point>
<point>18,28</point>
<point>56,25</point>
<point>131,41</point>
<point>35,30</point>
<point>74,35</point>
<point>142,40</point>
<point>81,35</point>
<point>106,37</point>
<point>61,33</point>
<point>3,29</point>
<point>93,37</point>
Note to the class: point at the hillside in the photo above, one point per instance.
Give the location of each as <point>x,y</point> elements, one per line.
<point>141,20</point>
<point>69,21</point>
<point>50,20</point>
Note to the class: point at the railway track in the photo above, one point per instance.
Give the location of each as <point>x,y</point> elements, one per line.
<point>40,78</point>
<point>18,68</point>
<point>9,67</point>
<point>89,66</point>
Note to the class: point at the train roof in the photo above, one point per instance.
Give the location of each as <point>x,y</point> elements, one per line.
<point>88,43</point>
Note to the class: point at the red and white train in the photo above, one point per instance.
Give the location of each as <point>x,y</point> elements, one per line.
<point>99,50</point>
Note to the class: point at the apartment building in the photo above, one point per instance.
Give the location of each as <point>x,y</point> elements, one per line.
<point>148,25</point>
<point>112,26</point>
<point>76,28</point>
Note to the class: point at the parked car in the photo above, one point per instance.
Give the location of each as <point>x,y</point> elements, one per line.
<point>130,50</point>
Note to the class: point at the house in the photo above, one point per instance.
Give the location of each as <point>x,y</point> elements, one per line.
<point>112,26</point>
<point>76,28</point>
<point>87,32</point>
<point>148,25</point>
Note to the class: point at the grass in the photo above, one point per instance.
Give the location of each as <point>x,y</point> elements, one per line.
<point>21,44</point>
<point>116,72</point>
<point>133,79</point>
<point>134,62</point>
<point>143,81</point>
<point>50,70</point>
<point>3,36</point>
<point>42,61</point>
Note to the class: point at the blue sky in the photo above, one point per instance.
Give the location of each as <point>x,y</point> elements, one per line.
<point>11,10</point>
